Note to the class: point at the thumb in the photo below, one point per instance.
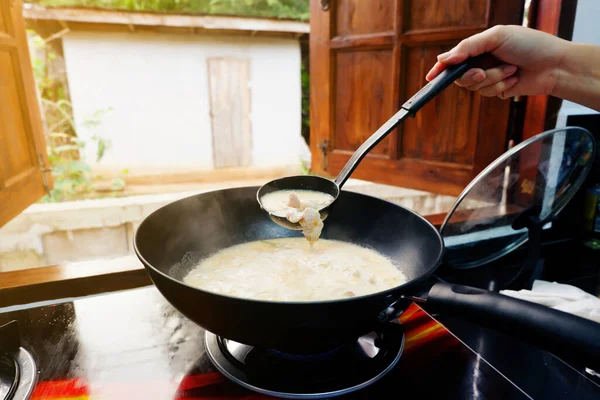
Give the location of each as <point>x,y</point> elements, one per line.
<point>456,55</point>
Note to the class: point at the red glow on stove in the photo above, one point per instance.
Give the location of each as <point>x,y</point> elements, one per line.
<point>61,390</point>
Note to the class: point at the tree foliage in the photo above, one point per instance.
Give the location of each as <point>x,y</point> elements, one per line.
<point>284,9</point>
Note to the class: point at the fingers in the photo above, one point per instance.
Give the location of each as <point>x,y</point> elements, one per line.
<point>492,82</point>
<point>484,42</point>
<point>490,77</point>
<point>501,89</point>
<point>472,77</point>
<point>511,89</point>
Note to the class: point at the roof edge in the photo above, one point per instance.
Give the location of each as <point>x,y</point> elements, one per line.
<point>132,18</point>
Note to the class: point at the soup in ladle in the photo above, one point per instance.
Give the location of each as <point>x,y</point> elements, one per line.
<point>300,206</point>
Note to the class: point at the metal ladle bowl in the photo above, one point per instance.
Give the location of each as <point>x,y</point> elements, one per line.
<point>299,182</point>
<point>333,187</point>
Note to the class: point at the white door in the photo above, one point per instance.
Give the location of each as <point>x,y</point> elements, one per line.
<point>230,112</point>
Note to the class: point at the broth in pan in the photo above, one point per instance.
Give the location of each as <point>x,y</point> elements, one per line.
<point>292,270</point>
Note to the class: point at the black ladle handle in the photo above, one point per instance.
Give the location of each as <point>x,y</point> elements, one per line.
<point>568,336</point>
<point>409,108</point>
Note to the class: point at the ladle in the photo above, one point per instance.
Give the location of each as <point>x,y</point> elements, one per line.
<point>333,187</point>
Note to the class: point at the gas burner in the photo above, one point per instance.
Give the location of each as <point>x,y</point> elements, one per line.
<point>339,371</point>
<point>18,372</point>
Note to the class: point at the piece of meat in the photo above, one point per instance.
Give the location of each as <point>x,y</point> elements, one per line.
<point>295,202</point>
<point>309,218</point>
<point>294,215</point>
<point>311,225</point>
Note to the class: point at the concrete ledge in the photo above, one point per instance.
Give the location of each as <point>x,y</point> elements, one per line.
<point>51,234</point>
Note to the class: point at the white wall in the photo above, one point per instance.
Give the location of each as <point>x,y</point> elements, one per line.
<point>157,87</point>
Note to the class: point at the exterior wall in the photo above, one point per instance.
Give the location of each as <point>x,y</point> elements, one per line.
<point>157,87</point>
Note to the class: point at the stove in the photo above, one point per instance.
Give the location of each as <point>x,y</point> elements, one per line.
<point>333,373</point>
<point>134,345</point>
<point>18,371</point>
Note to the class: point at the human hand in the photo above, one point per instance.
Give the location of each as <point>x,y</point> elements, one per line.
<point>530,62</point>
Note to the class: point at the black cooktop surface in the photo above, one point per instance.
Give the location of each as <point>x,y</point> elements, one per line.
<point>134,345</point>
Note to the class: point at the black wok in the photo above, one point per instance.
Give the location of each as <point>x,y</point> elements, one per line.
<point>175,237</point>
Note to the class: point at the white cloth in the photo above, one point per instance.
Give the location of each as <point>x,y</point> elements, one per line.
<point>561,297</point>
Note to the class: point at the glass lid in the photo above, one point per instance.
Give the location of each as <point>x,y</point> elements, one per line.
<point>544,171</point>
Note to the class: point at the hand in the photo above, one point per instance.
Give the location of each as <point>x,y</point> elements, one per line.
<point>531,61</point>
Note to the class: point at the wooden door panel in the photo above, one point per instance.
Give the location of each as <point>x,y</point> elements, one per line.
<point>367,58</point>
<point>24,176</point>
<point>2,25</point>
<point>492,120</point>
<point>431,176</point>
<point>363,99</point>
<point>443,129</point>
<point>442,14</point>
<point>350,17</point>
<point>13,138</point>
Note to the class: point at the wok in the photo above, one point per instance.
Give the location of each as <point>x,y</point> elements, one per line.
<point>175,237</point>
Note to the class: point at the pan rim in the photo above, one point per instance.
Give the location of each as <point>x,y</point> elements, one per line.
<point>388,292</point>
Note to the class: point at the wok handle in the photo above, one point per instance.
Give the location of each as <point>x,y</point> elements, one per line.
<point>567,336</point>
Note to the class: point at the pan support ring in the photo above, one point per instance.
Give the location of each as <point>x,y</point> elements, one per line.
<point>340,371</point>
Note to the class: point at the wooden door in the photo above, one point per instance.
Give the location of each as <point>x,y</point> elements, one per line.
<point>24,177</point>
<point>368,57</point>
<point>230,112</point>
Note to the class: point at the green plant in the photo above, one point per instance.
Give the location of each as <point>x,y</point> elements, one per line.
<point>304,169</point>
<point>305,85</point>
<point>73,178</point>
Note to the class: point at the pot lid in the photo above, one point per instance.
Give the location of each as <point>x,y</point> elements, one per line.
<point>541,173</point>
